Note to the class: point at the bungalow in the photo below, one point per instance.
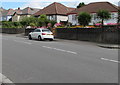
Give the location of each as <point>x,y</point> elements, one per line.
<point>26,12</point>
<point>93,8</point>
<point>55,11</point>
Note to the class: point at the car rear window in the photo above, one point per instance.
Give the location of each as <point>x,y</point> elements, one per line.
<point>46,30</point>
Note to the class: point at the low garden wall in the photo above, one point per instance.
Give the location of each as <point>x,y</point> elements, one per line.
<point>101,35</point>
<point>27,31</point>
<point>12,30</point>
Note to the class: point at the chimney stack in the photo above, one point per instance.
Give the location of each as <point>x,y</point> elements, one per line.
<point>18,8</point>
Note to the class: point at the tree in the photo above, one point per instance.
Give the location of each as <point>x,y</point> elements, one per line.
<point>103,15</point>
<point>32,24</point>
<point>42,20</point>
<point>84,18</point>
<point>81,4</point>
<point>27,20</point>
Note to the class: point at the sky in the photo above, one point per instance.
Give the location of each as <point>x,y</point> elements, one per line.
<point>14,4</point>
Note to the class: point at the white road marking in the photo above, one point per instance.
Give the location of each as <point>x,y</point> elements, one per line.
<point>23,42</point>
<point>60,49</point>
<point>71,52</point>
<point>115,61</point>
<point>47,47</point>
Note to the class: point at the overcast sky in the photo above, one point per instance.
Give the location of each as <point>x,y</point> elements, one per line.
<point>43,3</point>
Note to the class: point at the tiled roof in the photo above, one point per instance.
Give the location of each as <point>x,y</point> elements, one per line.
<point>10,12</point>
<point>55,8</point>
<point>29,10</point>
<point>4,12</point>
<point>1,9</point>
<point>94,7</point>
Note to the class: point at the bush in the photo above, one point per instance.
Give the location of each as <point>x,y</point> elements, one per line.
<point>53,22</point>
<point>9,24</point>
<point>32,24</point>
<point>27,20</point>
<point>43,21</point>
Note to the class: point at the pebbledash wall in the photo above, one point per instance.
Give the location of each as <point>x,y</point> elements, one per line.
<point>101,35</point>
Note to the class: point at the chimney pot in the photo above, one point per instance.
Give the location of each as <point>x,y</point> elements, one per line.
<point>18,8</point>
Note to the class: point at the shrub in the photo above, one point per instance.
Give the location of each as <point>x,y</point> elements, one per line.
<point>103,15</point>
<point>32,24</point>
<point>27,20</point>
<point>84,18</point>
<point>9,24</point>
<point>53,22</point>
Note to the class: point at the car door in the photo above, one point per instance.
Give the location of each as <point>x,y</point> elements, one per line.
<point>33,33</point>
<point>37,33</point>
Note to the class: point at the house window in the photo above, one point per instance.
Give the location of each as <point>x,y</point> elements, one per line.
<point>73,17</point>
<point>112,15</point>
<point>94,16</point>
<point>48,17</point>
<point>76,17</point>
<point>52,18</point>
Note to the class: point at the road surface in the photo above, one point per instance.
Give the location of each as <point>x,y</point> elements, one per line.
<point>59,61</point>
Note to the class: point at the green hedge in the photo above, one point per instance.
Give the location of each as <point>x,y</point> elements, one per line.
<point>9,24</point>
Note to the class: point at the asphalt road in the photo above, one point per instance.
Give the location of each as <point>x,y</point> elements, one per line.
<point>59,61</point>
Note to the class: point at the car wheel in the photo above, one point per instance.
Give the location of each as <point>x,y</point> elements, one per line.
<point>51,39</point>
<point>39,38</point>
<point>30,38</point>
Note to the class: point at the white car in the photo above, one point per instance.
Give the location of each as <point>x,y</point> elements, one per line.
<point>41,34</point>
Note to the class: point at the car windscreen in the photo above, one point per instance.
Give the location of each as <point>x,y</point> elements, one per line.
<point>46,30</point>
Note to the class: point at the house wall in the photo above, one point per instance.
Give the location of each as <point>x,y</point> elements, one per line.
<point>15,18</point>
<point>58,18</point>
<point>61,18</point>
<point>5,18</point>
<point>19,17</point>
<point>0,16</point>
<point>72,18</point>
<point>23,16</point>
<point>8,17</point>
<point>95,20</point>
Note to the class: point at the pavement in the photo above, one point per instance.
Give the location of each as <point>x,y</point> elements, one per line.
<point>110,46</point>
